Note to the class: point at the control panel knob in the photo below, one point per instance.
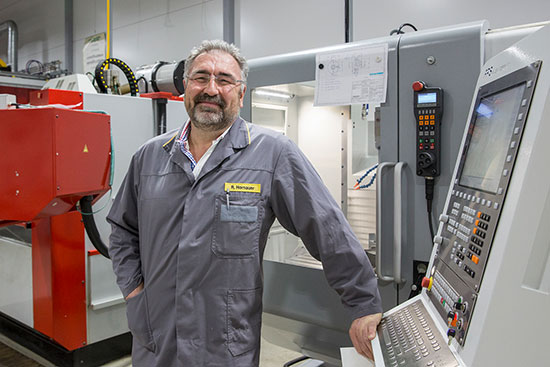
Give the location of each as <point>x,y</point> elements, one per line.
<point>458,304</point>
<point>438,240</point>
<point>451,333</point>
<point>426,159</point>
<point>452,318</point>
<point>444,218</point>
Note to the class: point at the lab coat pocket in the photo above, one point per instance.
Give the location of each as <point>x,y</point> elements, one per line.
<point>237,226</point>
<point>137,313</point>
<point>244,316</point>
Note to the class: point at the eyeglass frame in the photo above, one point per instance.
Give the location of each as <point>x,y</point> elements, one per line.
<point>217,79</point>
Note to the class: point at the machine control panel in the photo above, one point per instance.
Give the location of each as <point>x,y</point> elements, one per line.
<point>478,193</point>
<point>408,335</point>
<point>428,110</point>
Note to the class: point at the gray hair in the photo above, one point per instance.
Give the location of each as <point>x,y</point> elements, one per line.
<point>217,45</point>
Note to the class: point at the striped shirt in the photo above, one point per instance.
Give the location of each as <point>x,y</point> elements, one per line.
<point>183,141</point>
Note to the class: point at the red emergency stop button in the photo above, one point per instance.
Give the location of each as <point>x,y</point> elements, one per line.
<point>427,283</point>
<point>418,86</point>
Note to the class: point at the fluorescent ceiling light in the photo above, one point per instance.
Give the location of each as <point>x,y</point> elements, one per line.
<point>271,93</point>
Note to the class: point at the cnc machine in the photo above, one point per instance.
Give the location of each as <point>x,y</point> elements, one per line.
<point>488,283</point>
<point>432,78</point>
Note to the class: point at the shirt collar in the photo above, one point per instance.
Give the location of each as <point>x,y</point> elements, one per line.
<point>183,138</point>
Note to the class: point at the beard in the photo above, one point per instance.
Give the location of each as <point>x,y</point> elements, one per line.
<point>210,118</point>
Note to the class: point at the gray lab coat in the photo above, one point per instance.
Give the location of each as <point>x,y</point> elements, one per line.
<point>201,262</point>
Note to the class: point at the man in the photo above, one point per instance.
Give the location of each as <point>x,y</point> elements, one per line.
<point>191,220</point>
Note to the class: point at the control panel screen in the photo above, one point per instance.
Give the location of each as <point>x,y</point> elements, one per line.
<point>495,117</point>
<point>427,98</point>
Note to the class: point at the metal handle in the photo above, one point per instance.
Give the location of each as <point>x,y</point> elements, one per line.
<point>381,168</point>
<point>397,210</point>
<point>397,217</point>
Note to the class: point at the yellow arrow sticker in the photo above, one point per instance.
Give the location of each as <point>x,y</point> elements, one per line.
<point>85,149</point>
<point>242,187</point>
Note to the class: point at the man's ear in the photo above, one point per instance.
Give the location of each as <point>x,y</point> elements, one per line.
<point>243,91</point>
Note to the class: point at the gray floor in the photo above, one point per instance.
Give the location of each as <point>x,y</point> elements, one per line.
<point>271,355</point>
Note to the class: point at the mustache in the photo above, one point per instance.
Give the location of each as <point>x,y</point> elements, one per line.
<point>212,99</point>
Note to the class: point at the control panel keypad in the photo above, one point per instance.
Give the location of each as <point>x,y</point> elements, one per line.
<point>426,129</point>
<point>477,241</point>
<point>469,227</point>
<point>475,250</point>
<point>411,338</point>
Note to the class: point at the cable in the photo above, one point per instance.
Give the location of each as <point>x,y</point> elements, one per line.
<point>93,78</point>
<point>146,87</point>
<point>358,185</point>
<point>429,187</point>
<point>407,25</point>
<point>84,206</point>
<point>90,226</point>
<point>91,212</point>
<point>399,30</point>
<point>100,77</point>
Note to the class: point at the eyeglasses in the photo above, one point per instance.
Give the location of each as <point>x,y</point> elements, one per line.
<point>222,81</point>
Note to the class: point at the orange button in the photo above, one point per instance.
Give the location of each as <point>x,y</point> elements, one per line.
<point>420,122</point>
<point>432,117</point>
<point>475,230</point>
<point>432,122</point>
<point>453,323</point>
<point>477,222</point>
<point>475,259</point>
<point>421,117</point>
<point>479,214</point>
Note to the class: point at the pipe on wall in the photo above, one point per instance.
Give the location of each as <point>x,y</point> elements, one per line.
<point>11,27</point>
<point>69,35</point>
<point>229,21</point>
<point>348,20</point>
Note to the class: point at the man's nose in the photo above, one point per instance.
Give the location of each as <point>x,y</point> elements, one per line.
<point>211,87</point>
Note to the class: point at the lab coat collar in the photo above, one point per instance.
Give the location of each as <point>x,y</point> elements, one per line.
<point>176,155</point>
<point>170,145</point>
<point>239,134</point>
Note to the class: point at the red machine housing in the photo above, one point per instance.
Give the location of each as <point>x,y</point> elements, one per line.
<point>52,158</point>
<point>56,96</point>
